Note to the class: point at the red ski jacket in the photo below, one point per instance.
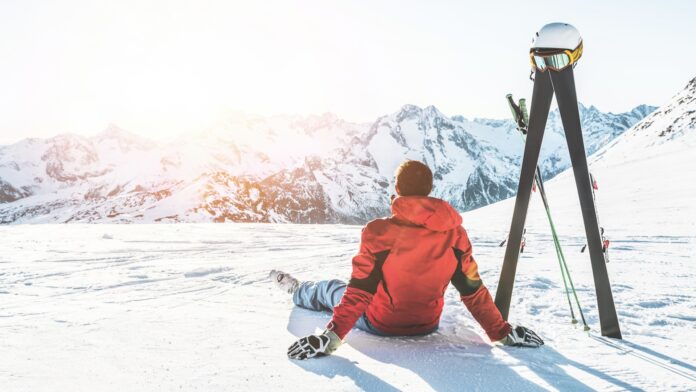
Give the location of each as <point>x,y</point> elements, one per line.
<point>403,268</point>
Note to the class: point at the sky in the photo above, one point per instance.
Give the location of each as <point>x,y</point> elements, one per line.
<point>162,68</point>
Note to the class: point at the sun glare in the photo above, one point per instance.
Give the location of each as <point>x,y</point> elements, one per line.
<point>164,68</point>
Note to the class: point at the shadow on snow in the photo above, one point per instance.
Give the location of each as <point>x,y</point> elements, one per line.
<point>453,358</point>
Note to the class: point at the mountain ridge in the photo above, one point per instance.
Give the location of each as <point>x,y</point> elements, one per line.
<point>301,169</point>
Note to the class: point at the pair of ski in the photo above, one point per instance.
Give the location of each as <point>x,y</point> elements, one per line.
<point>521,117</point>
<point>548,83</point>
<point>519,114</point>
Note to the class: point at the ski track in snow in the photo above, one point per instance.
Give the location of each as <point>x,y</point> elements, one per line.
<point>163,307</point>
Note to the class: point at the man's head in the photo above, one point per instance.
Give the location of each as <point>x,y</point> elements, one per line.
<point>413,178</point>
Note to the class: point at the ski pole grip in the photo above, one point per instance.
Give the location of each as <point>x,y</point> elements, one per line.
<point>513,107</point>
<point>523,110</point>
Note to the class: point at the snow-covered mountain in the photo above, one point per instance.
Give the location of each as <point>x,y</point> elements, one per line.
<point>313,169</point>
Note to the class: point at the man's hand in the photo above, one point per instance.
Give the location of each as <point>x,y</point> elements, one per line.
<point>314,345</point>
<point>522,337</point>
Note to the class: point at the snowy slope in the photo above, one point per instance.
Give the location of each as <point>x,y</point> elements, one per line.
<point>163,307</point>
<point>314,169</point>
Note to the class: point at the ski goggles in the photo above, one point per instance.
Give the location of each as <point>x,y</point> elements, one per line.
<point>554,59</point>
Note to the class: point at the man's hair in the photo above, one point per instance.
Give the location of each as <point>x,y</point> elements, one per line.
<point>413,178</point>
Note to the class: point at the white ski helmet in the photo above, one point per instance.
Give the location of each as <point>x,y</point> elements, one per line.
<point>557,36</point>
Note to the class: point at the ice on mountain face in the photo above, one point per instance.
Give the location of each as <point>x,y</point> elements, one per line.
<point>314,169</point>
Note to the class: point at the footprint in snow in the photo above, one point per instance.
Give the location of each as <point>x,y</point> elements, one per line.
<point>199,272</point>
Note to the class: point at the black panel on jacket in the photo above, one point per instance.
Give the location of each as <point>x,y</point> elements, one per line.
<point>370,283</point>
<point>464,285</point>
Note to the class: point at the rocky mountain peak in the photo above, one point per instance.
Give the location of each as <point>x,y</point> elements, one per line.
<point>643,110</point>
<point>692,85</point>
<point>113,131</point>
<point>408,111</point>
<point>125,139</point>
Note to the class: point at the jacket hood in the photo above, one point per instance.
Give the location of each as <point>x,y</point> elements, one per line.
<point>429,212</point>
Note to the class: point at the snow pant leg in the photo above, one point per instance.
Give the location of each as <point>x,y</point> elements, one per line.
<point>319,296</point>
<point>364,324</point>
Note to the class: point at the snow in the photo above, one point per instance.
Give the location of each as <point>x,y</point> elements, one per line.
<point>186,306</point>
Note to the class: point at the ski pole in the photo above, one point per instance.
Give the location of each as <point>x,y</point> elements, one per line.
<point>561,258</point>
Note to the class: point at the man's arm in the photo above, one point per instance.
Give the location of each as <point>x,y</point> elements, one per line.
<point>474,294</point>
<point>366,275</point>
<point>478,300</point>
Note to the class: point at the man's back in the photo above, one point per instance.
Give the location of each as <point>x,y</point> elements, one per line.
<point>415,249</point>
<point>404,266</point>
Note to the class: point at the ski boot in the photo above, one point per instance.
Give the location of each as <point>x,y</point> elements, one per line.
<point>284,281</point>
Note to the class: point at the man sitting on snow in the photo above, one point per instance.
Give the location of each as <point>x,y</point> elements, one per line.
<point>400,275</point>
